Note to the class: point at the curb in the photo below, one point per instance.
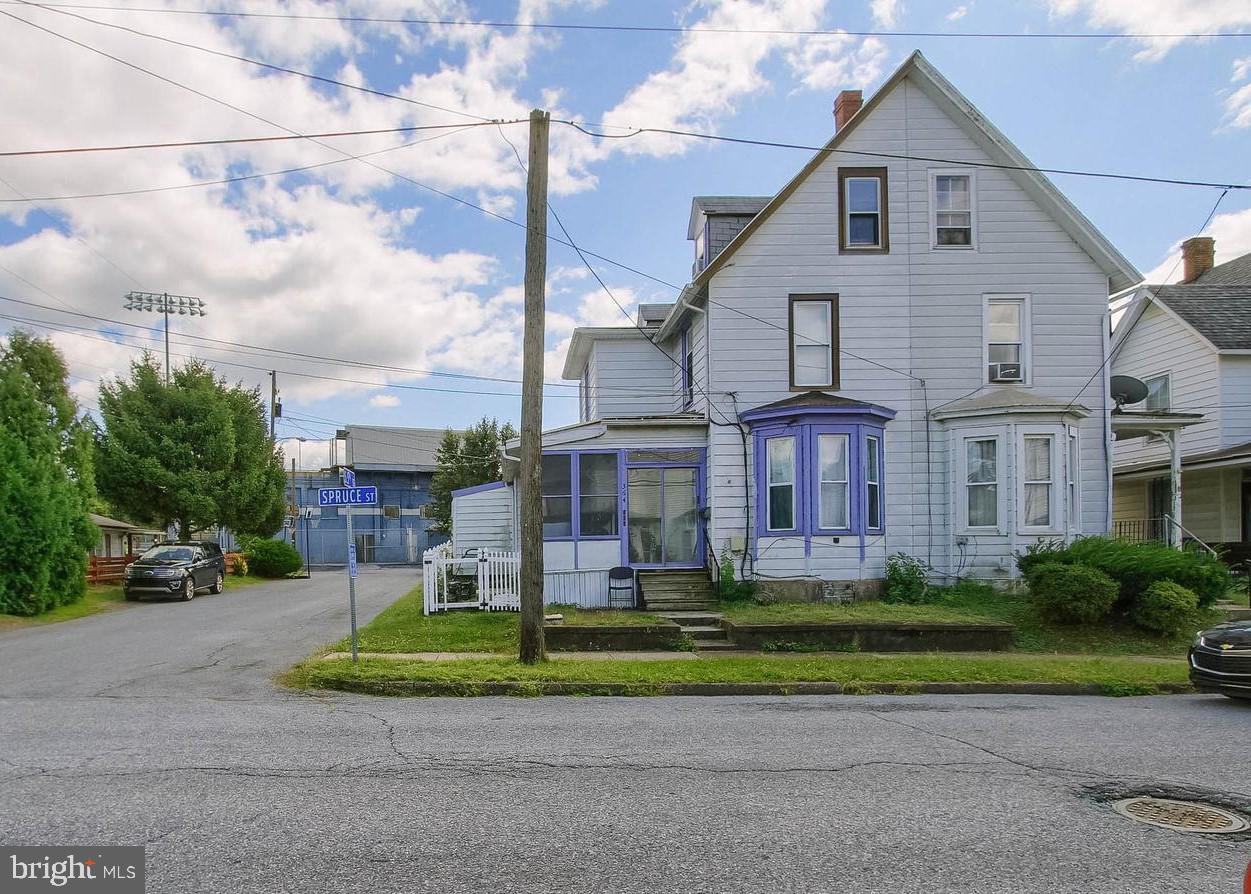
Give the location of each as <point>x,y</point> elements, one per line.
<point>429,688</point>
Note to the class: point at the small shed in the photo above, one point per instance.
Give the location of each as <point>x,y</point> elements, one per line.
<point>482,518</point>
<point>121,538</point>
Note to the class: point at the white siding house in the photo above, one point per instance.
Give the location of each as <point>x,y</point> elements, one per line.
<point>889,355</point>
<point>1191,344</point>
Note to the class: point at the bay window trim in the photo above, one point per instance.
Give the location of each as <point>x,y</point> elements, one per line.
<point>833,383</point>
<point>964,438</point>
<point>768,486</point>
<point>875,439</point>
<point>845,246</point>
<point>1053,482</point>
<point>850,458</point>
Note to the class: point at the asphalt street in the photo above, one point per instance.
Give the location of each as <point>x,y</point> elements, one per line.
<point>159,724</point>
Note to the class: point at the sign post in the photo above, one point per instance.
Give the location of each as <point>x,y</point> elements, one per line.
<point>349,495</point>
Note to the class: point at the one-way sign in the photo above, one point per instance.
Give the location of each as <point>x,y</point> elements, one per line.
<point>347,496</point>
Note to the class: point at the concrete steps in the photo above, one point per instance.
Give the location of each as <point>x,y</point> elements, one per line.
<point>1234,612</point>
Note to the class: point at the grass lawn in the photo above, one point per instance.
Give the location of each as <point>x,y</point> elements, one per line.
<point>1118,676</point>
<point>601,617</point>
<point>978,602</point>
<point>99,598</point>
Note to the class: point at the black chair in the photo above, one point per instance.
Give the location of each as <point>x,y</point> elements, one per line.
<point>621,587</point>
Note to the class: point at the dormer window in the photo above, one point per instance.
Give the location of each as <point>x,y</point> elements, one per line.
<point>862,210</point>
<point>701,247</point>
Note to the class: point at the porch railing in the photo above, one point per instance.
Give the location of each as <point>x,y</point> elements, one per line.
<point>1141,530</point>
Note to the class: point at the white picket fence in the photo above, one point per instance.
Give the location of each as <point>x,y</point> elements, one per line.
<point>498,579</point>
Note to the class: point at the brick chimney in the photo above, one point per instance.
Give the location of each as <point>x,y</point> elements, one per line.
<point>1198,255</point>
<point>847,104</point>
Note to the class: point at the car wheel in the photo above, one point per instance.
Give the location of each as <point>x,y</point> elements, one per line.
<point>220,583</point>
<point>188,589</point>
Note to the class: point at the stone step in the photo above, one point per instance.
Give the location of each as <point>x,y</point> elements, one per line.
<point>1234,612</point>
<point>704,632</point>
<point>714,645</point>
<point>671,605</point>
<point>692,619</point>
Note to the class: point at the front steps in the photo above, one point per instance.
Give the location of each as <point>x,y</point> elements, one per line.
<point>703,627</point>
<point>677,591</point>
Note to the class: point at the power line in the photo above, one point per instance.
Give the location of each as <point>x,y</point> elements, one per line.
<point>226,180</point>
<point>639,131</point>
<point>642,29</point>
<point>225,141</point>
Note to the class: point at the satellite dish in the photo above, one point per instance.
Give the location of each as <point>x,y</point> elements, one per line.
<point>1128,390</point>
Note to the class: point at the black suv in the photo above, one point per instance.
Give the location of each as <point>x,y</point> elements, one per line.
<point>176,569</point>
<point>1220,660</point>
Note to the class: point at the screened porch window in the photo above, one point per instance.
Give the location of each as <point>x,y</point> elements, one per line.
<point>557,496</point>
<point>597,495</point>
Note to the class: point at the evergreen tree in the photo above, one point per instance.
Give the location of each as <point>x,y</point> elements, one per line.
<point>193,452</point>
<point>465,460</point>
<point>46,482</point>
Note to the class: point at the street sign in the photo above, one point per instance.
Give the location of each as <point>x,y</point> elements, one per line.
<point>349,478</point>
<point>347,496</point>
<point>352,560</point>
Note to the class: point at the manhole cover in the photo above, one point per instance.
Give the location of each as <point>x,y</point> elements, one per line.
<point>1181,816</point>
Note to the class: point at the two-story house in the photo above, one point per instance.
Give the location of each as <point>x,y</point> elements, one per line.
<point>1190,343</point>
<point>903,350</point>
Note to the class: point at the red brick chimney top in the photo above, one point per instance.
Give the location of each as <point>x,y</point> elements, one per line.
<point>847,104</point>
<point>1198,256</point>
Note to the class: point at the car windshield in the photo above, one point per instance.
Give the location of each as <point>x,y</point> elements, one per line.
<point>168,554</point>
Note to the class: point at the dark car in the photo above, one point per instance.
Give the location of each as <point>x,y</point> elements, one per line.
<point>176,569</point>
<point>1220,660</point>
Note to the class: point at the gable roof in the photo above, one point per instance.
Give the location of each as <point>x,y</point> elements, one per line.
<point>723,205</point>
<point>1220,313</point>
<point>1121,273</point>
<point>1236,271</point>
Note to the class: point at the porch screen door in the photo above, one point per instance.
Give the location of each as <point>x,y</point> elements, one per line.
<point>663,516</point>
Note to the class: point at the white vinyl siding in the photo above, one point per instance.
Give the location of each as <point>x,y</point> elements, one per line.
<point>482,520</point>
<point>631,377</point>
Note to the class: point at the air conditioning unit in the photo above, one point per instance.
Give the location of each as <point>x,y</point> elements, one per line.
<point>1006,372</point>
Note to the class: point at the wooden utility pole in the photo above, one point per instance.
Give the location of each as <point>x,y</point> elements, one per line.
<point>273,400</point>
<point>532,647</point>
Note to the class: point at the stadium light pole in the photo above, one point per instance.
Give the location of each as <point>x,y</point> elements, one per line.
<point>165,304</point>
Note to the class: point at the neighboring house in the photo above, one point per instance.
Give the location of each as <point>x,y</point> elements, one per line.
<point>1190,344</point>
<point>400,462</point>
<point>121,538</point>
<point>889,355</point>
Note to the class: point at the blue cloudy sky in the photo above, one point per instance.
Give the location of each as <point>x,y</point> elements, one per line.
<point>350,261</point>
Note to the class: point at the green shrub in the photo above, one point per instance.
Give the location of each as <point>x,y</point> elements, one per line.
<point>1136,566</point>
<point>1071,594</point>
<point>272,558</point>
<point>1165,608</point>
<point>905,580</point>
<point>730,589</point>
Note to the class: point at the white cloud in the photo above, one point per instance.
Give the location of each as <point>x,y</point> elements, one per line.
<point>1238,102</point>
<point>959,12</point>
<point>1232,233</point>
<point>384,401</point>
<point>886,12</point>
<point>1158,17</point>
<point>308,453</point>
<point>830,62</point>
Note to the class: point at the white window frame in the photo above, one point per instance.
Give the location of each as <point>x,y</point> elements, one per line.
<point>1054,483</point>
<point>1073,469</point>
<point>1167,376</point>
<point>793,484</point>
<point>845,204</point>
<point>845,481</point>
<point>1027,351</point>
<point>880,502</point>
<point>962,482</point>
<point>934,174</point>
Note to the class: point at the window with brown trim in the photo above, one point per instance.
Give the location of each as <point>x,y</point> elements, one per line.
<point>813,342</point>
<point>862,217</point>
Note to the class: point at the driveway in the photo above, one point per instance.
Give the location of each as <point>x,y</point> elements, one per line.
<point>159,725</point>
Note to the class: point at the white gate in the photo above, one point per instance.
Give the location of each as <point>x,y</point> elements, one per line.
<point>499,580</point>
<point>435,563</point>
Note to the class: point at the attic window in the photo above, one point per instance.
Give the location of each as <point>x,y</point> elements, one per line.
<point>862,222</point>
<point>953,209</point>
<point>1157,394</point>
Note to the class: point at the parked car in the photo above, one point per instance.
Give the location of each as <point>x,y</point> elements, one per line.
<point>176,569</point>
<point>1220,660</point>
